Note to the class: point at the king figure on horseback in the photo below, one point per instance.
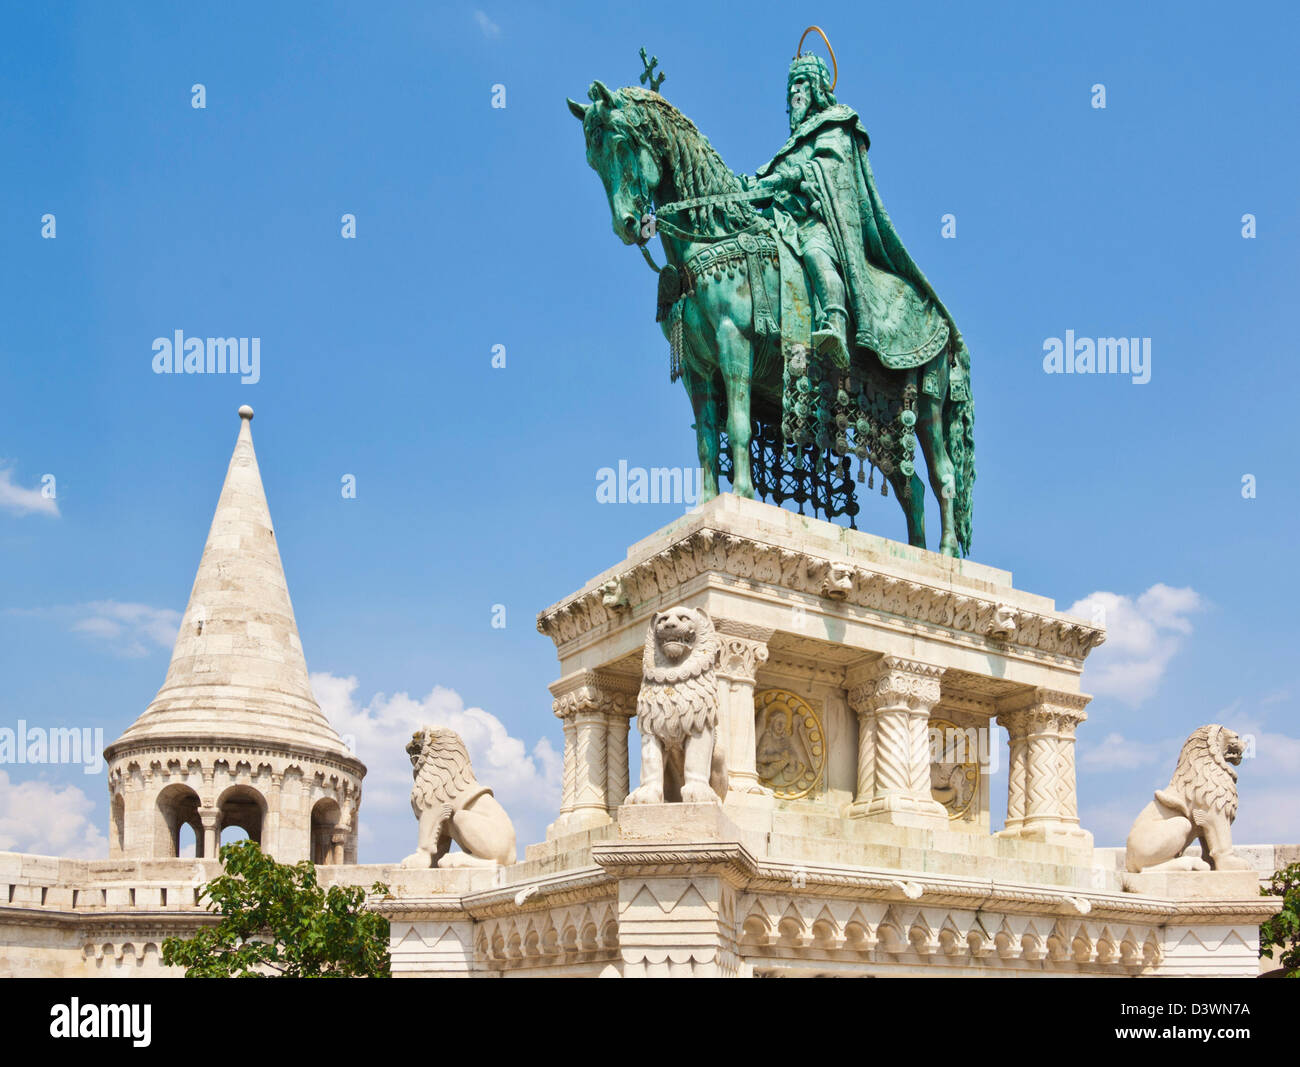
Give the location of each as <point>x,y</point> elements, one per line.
<point>791,306</point>
<point>825,205</point>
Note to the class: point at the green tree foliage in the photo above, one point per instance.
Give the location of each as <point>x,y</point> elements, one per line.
<point>276,921</point>
<point>1282,932</point>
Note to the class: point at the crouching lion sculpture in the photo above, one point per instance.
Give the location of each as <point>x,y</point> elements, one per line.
<point>677,712</point>
<point>1201,802</point>
<point>452,806</point>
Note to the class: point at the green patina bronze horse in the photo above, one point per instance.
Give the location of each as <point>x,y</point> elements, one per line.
<point>754,342</point>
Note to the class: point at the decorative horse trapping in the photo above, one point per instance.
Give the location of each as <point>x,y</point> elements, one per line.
<point>802,329</point>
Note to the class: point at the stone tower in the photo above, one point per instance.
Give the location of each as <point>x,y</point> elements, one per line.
<point>235,737</point>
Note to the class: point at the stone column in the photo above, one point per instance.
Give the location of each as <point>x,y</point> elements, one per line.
<point>209,817</point>
<point>1042,797</point>
<point>281,834</point>
<point>892,698</point>
<point>1015,723</point>
<point>338,842</point>
<point>617,724</point>
<point>743,651</point>
<point>595,707</point>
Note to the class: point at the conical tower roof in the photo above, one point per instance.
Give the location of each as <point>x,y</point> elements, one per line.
<point>238,672</point>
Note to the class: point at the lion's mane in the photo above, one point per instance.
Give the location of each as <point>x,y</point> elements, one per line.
<point>1203,780</point>
<point>442,772</point>
<point>679,700</point>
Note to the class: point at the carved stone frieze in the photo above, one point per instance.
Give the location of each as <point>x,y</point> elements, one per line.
<point>839,582</point>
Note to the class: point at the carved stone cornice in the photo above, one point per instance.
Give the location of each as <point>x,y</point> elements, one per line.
<point>729,860</point>
<point>594,691</point>
<point>736,628</point>
<point>157,754</point>
<point>784,664</point>
<point>838,583</point>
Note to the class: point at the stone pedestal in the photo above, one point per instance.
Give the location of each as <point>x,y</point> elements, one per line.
<point>1194,885</point>
<point>886,643</point>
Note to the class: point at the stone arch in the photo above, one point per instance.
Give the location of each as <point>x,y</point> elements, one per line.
<point>244,807</point>
<point>177,805</point>
<point>325,818</point>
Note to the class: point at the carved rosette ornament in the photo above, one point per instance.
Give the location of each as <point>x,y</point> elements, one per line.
<point>893,698</point>
<point>595,708</point>
<point>954,782</point>
<point>1042,799</point>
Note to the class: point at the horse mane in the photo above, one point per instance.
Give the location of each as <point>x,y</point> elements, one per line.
<point>697,169</point>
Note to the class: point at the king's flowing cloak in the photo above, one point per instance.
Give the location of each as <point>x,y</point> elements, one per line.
<point>897,313</point>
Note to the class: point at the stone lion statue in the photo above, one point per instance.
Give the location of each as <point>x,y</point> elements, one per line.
<point>677,712</point>
<point>452,806</point>
<point>1200,802</point>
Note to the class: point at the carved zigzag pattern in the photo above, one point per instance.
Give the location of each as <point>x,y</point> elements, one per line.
<point>1066,797</point>
<point>616,762</point>
<point>1044,783</point>
<point>1016,783</point>
<point>570,768</point>
<point>591,762</point>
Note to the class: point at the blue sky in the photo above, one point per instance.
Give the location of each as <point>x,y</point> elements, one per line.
<point>479,226</point>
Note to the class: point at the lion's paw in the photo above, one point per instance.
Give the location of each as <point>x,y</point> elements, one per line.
<point>698,793</point>
<point>1229,862</point>
<point>418,860</point>
<point>646,794</point>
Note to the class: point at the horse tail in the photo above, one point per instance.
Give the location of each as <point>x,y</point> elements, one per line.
<point>959,436</point>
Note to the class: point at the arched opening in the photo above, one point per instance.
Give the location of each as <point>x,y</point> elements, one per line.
<point>117,822</point>
<point>177,806</point>
<point>324,820</point>
<point>241,808</point>
<point>188,841</point>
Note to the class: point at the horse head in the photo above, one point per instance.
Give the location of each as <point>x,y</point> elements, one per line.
<point>617,128</point>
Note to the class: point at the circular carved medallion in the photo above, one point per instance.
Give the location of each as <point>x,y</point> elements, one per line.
<point>954,767</point>
<point>790,744</point>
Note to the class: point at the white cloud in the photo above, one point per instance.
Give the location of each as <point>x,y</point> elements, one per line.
<point>131,630</point>
<point>128,630</point>
<point>1119,753</point>
<point>50,820</point>
<point>1142,636</point>
<point>1268,782</point>
<point>527,782</point>
<point>20,501</point>
<point>490,29</point>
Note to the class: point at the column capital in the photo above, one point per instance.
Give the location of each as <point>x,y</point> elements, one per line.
<point>893,681</point>
<point>1037,709</point>
<point>739,658</point>
<point>599,691</point>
